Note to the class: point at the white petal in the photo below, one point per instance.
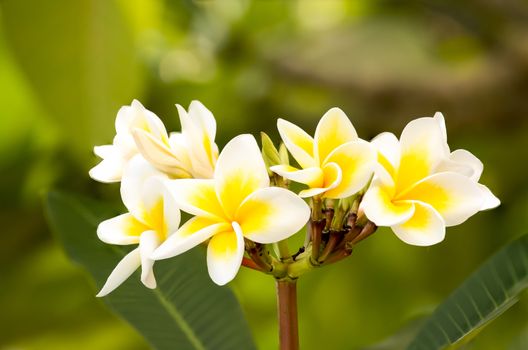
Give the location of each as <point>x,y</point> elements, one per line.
<point>179,147</point>
<point>312,177</point>
<point>440,120</point>
<point>149,241</point>
<point>423,147</point>
<point>177,139</point>
<point>104,151</point>
<point>462,156</point>
<point>449,165</point>
<point>388,146</point>
<point>148,121</point>
<point>379,207</point>
<point>311,192</point>
<point>125,145</point>
<point>137,171</point>
<point>121,272</point>
<point>240,170</point>
<point>137,116</point>
<point>198,130</point>
<point>203,117</point>
<point>197,197</point>
<point>425,228</point>
<point>123,229</point>
<point>332,177</point>
<point>298,142</point>
<point>383,176</point>
<point>124,119</point>
<point>108,170</point>
<point>195,231</point>
<point>356,160</point>
<point>160,211</point>
<point>490,201</point>
<point>333,130</point>
<point>160,155</point>
<point>171,212</point>
<point>272,214</point>
<point>454,196</point>
<point>224,255</point>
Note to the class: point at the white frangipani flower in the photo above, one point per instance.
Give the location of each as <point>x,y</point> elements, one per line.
<point>116,155</point>
<point>236,204</point>
<point>335,163</point>
<point>420,187</point>
<point>191,153</point>
<point>153,216</point>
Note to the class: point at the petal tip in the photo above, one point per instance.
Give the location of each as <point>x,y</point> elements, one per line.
<point>136,104</point>
<point>150,284</point>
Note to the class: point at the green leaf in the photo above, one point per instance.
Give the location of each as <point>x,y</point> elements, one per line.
<point>186,311</point>
<point>485,295</point>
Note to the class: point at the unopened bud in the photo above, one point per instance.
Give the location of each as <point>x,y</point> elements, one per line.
<point>269,152</point>
<point>283,154</point>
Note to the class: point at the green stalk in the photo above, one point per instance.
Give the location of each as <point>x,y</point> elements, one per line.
<point>283,250</point>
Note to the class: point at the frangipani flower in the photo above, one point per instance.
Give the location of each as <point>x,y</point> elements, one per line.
<point>116,155</point>
<point>191,153</point>
<point>335,163</point>
<point>152,218</point>
<point>420,187</point>
<point>236,204</point>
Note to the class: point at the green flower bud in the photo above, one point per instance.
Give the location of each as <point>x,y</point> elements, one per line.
<point>269,152</point>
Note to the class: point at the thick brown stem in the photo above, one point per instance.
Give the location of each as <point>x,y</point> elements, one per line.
<point>287,314</point>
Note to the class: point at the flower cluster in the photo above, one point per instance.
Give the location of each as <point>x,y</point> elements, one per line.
<point>240,200</point>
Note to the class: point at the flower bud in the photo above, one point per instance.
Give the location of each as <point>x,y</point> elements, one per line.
<point>269,153</point>
<point>283,154</point>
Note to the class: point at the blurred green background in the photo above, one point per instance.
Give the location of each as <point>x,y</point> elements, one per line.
<point>67,66</point>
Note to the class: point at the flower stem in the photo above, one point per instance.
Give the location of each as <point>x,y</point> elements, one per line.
<point>284,251</point>
<point>330,245</point>
<point>251,264</point>
<point>317,232</point>
<point>259,255</point>
<point>287,314</point>
<point>367,230</point>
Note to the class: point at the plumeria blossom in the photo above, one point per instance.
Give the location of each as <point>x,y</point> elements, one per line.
<point>153,216</point>
<point>191,153</point>
<point>236,204</point>
<point>335,163</point>
<point>421,187</point>
<point>123,148</point>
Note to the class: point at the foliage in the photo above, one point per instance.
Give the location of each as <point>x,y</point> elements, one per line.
<point>485,295</point>
<point>186,310</point>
